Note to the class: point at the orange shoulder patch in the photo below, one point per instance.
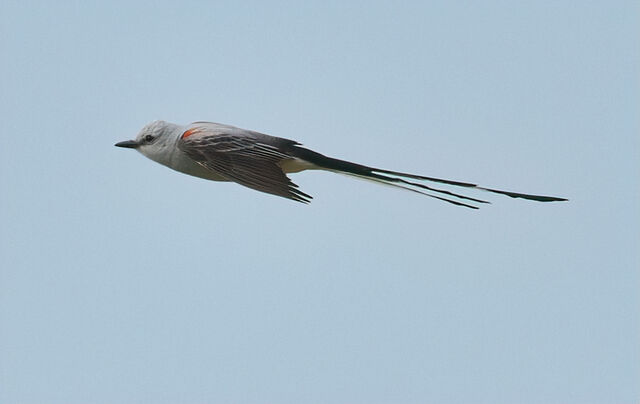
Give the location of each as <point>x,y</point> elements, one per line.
<point>189,132</point>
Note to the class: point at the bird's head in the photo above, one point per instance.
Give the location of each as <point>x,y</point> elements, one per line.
<point>156,141</point>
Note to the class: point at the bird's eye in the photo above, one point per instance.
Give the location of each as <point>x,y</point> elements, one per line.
<point>148,138</point>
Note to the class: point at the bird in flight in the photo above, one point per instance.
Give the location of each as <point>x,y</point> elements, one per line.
<point>221,152</point>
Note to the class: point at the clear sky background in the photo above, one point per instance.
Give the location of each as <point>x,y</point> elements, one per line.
<point>122,281</point>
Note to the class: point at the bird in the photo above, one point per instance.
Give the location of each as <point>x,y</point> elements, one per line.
<point>220,152</point>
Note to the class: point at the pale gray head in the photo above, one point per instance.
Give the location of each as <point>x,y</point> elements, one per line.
<point>156,141</point>
<point>150,135</point>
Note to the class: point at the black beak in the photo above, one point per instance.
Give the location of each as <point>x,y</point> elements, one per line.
<point>130,144</point>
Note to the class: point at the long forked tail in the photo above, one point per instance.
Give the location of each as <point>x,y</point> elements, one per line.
<point>403,180</point>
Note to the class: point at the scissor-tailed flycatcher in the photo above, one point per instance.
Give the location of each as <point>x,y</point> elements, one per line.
<point>225,153</point>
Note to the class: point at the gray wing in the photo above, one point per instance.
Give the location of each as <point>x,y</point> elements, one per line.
<point>248,158</point>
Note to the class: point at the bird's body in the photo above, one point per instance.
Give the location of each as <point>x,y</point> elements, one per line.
<point>169,154</point>
<point>221,152</point>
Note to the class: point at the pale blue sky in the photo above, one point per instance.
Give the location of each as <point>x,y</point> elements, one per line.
<point>122,281</point>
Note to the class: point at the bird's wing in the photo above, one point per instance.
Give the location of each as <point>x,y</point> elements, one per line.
<point>248,158</point>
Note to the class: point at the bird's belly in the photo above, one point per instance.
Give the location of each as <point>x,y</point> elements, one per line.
<point>295,165</point>
<point>190,167</point>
